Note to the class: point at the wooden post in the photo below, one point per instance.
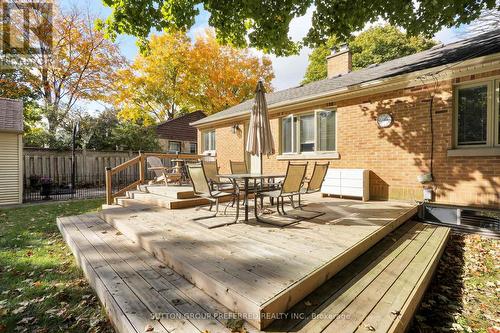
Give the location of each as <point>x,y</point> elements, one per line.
<point>142,167</point>
<point>109,187</point>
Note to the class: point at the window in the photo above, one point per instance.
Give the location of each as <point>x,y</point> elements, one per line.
<point>288,129</point>
<point>307,133</point>
<point>311,132</point>
<point>193,148</point>
<point>326,130</point>
<point>477,118</point>
<point>174,146</point>
<point>208,138</point>
<point>472,115</point>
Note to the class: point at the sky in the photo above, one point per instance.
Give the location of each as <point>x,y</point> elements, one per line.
<point>289,71</point>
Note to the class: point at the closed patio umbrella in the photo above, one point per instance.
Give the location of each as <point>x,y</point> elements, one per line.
<point>260,138</point>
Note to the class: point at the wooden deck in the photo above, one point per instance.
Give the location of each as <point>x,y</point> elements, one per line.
<point>259,269</point>
<point>379,291</point>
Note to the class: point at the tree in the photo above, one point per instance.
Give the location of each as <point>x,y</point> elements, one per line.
<point>79,64</point>
<point>265,24</point>
<point>132,136</point>
<point>373,46</point>
<point>177,76</point>
<point>224,76</point>
<point>153,88</point>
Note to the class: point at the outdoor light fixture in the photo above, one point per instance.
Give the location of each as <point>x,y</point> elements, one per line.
<point>235,128</point>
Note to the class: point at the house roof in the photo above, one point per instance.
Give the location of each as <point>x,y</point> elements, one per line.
<point>179,128</point>
<point>11,115</point>
<point>477,46</point>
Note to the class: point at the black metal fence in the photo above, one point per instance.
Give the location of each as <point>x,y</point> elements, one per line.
<point>59,187</point>
<point>39,188</point>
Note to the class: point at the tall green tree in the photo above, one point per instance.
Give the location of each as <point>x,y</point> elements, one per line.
<point>264,24</point>
<point>373,46</point>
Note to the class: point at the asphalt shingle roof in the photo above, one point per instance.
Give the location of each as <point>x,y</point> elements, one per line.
<point>179,128</point>
<point>477,46</point>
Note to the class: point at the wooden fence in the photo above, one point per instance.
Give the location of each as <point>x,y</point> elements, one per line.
<point>89,164</point>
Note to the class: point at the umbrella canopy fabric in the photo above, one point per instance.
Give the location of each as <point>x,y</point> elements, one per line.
<point>260,138</point>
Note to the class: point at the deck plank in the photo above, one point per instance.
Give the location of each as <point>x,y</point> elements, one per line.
<point>385,312</point>
<point>144,291</point>
<point>174,296</point>
<point>342,298</point>
<point>359,307</point>
<point>112,288</point>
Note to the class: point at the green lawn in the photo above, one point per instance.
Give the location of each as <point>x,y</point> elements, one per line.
<point>41,287</point>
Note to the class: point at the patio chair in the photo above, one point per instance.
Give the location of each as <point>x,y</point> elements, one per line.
<point>290,186</point>
<point>238,167</point>
<point>202,188</point>
<point>211,170</point>
<point>162,173</point>
<point>313,185</point>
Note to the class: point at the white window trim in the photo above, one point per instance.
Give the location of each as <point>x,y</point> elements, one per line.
<point>297,154</point>
<point>492,114</point>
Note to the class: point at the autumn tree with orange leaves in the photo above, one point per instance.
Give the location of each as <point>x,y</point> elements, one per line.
<point>80,65</point>
<point>177,76</point>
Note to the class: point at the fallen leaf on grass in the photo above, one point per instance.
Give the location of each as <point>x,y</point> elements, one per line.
<point>26,320</point>
<point>19,310</point>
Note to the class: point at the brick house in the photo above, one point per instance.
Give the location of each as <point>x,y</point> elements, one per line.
<point>438,109</point>
<point>177,135</point>
<point>11,153</point>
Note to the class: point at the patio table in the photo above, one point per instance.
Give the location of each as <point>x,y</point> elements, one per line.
<point>246,177</point>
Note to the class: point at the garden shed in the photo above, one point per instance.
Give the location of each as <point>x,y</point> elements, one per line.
<point>11,151</point>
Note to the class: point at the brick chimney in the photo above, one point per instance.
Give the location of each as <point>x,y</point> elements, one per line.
<point>339,61</point>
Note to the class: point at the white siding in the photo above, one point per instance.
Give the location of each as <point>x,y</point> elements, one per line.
<point>10,178</point>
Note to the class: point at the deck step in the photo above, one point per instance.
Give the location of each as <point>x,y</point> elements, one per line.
<point>379,291</point>
<point>159,200</point>
<point>174,192</point>
<point>132,284</point>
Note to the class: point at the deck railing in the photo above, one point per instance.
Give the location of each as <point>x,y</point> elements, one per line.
<point>115,176</point>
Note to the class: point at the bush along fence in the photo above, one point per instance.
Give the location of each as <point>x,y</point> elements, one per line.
<point>48,173</point>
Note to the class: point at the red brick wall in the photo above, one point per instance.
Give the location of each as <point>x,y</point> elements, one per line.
<point>396,155</point>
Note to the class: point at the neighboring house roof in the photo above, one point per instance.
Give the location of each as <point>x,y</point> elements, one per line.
<point>477,46</point>
<point>179,128</point>
<point>11,115</point>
